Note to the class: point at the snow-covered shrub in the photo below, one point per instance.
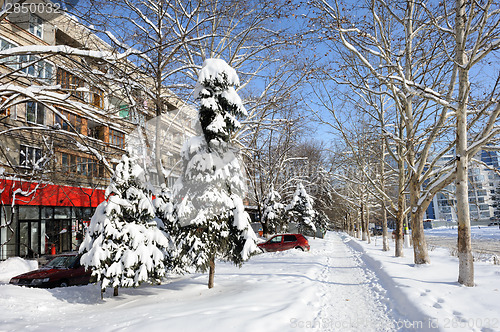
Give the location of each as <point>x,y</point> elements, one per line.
<point>123,245</point>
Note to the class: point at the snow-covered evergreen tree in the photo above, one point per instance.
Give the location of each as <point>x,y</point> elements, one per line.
<point>301,207</point>
<point>212,219</point>
<point>124,246</point>
<point>321,220</point>
<point>273,214</point>
<point>166,218</point>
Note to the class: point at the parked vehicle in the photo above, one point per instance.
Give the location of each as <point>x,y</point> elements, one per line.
<point>282,242</point>
<point>61,271</point>
<point>494,223</point>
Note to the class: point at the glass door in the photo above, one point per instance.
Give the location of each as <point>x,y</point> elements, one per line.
<point>29,238</point>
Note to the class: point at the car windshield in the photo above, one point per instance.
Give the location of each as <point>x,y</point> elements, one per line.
<point>61,262</point>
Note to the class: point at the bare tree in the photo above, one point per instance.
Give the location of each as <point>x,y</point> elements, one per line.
<point>415,54</point>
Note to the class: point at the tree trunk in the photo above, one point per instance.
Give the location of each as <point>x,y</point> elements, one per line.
<point>158,145</point>
<point>385,235</point>
<point>465,260</point>
<point>385,239</point>
<point>358,225</point>
<point>420,254</point>
<point>351,225</point>
<point>363,224</point>
<point>368,223</point>
<point>211,273</point>
<point>399,238</point>
<point>115,291</point>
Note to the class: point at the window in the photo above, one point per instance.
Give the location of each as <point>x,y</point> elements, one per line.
<point>121,106</point>
<point>40,69</point>
<point>10,61</point>
<point>484,207</point>
<point>290,238</point>
<point>481,192</point>
<point>276,239</point>
<point>35,112</point>
<point>36,25</point>
<point>124,112</point>
<point>80,165</point>
<point>69,82</point>
<point>74,120</point>
<point>29,156</point>
<point>96,132</point>
<point>4,111</point>
<point>117,138</point>
<point>96,97</point>
<point>44,71</point>
<point>65,162</point>
<point>446,209</point>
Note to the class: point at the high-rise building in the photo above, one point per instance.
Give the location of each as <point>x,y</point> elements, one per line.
<point>482,183</point>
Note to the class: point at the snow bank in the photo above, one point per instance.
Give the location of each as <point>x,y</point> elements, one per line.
<point>435,291</point>
<point>15,266</point>
<point>477,232</point>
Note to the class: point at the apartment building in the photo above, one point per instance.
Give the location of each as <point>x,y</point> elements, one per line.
<point>483,181</point>
<point>63,125</point>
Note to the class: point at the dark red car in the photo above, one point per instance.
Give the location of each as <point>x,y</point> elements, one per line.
<point>284,242</point>
<point>61,271</point>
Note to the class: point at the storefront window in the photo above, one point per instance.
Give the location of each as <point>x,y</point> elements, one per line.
<point>28,212</point>
<point>62,212</point>
<point>47,213</point>
<point>7,231</point>
<point>44,245</point>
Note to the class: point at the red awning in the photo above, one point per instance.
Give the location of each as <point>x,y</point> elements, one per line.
<point>32,193</point>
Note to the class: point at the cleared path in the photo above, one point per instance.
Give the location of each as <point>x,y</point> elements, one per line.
<point>356,295</point>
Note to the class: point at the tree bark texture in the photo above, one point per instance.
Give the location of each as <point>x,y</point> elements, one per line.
<point>385,239</point>
<point>211,273</point>
<point>363,223</point>
<point>399,236</point>
<point>385,233</point>
<point>368,223</point>
<point>465,260</point>
<point>420,253</point>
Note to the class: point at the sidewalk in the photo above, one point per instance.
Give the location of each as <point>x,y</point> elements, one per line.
<point>434,288</point>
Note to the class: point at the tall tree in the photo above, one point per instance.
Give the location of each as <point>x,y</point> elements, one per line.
<point>212,219</point>
<point>476,34</point>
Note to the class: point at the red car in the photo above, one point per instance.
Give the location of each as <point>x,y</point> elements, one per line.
<point>284,242</point>
<point>61,271</point>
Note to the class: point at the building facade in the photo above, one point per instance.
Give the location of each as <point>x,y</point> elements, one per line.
<point>483,181</point>
<point>63,126</point>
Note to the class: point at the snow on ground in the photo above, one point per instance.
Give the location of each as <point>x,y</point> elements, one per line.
<point>477,232</point>
<point>485,241</point>
<point>342,284</point>
<point>434,287</point>
<point>15,266</point>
